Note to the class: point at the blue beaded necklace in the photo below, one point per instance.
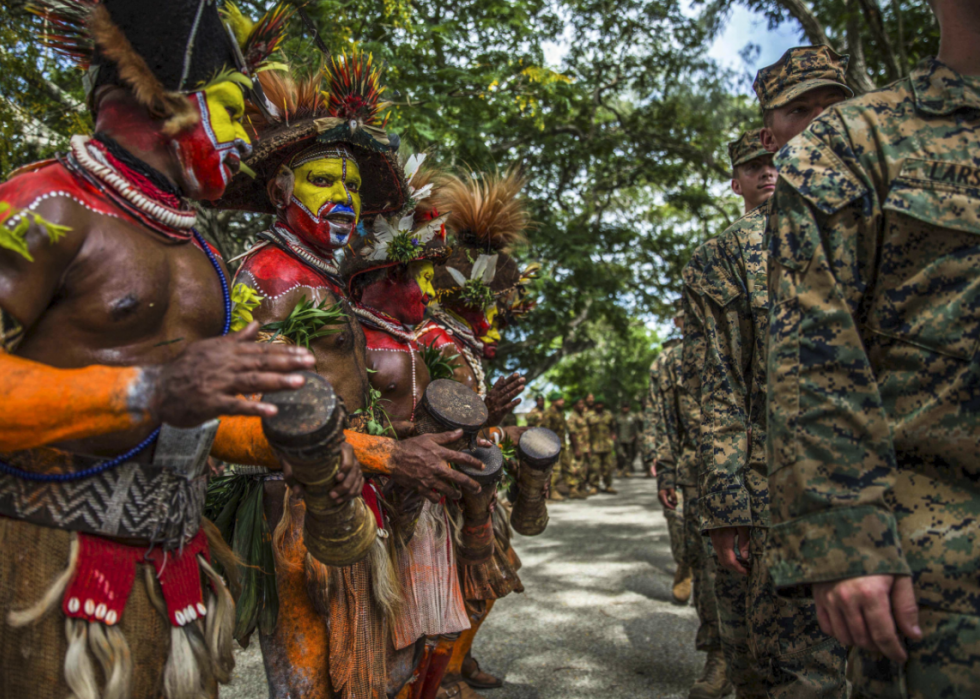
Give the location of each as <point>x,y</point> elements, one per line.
<point>142,446</point>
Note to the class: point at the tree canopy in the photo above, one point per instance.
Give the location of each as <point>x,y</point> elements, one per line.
<point>622,134</point>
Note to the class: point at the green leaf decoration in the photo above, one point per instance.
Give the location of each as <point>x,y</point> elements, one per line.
<point>15,238</point>
<point>440,366</point>
<point>404,248</point>
<point>476,294</point>
<point>307,322</point>
<point>244,300</point>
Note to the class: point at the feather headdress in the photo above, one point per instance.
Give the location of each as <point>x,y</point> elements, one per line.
<point>488,218</point>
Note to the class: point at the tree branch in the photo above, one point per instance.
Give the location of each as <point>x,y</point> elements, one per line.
<point>811,25</point>
<point>872,14</point>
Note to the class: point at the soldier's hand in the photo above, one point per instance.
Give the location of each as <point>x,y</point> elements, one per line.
<point>869,611</point>
<point>503,397</point>
<point>209,378</point>
<point>422,464</point>
<point>724,541</point>
<point>668,498</point>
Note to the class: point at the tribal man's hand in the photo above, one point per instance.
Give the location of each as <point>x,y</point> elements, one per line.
<point>668,498</point>
<point>349,481</point>
<point>209,378</point>
<point>503,397</point>
<point>724,541</point>
<point>869,612</point>
<point>422,464</point>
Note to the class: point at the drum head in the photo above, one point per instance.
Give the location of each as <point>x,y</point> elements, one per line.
<point>492,458</point>
<point>539,447</point>
<point>454,405</point>
<point>305,416</point>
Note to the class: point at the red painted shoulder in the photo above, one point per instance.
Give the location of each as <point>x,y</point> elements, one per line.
<point>276,272</point>
<point>431,332</point>
<point>380,340</point>
<point>31,186</point>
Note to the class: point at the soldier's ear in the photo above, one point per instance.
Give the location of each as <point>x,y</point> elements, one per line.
<point>768,139</point>
<point>280,187</point>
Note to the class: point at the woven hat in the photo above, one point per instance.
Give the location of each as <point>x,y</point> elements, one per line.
<point>747,147</point>
<point>800,70</point>
<point>338,108</point>
<point>159,50</point>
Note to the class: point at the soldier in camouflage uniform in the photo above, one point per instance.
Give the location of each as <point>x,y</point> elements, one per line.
<point>627,435</point>
<point>602,461</point>
<point>578,434</point>
<point>534,415</point>
<point>673,509</point>
<point>677,462</point>
<point>874,400</point>
<point>554,419</point>
<point>774,645</point>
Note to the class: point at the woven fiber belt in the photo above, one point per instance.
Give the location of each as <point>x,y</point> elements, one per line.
<point>161,502</point>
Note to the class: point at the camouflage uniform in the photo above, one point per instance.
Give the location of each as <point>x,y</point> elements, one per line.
<point>534,416</point>
<point>873,372</point>
<point>676,460</point>
<point>602,460</point>
<point>773,643</point>
<point>554,419</point>
<point>579,426</point>
<point>652,416</point>
<point>627,431</point>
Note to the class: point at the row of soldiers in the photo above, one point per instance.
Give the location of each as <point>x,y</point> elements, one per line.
<point>601,444</point>
<point>817,422</point>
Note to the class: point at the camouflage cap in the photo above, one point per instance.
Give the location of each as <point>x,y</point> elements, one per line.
<point>555,395</point>
<point>747,147</point>
<point>800,70</point>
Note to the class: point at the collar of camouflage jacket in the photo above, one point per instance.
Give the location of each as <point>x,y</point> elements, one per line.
<point>941,90</point>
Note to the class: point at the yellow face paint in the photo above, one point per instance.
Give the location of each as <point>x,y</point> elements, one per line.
<point>423,272</point>
<point>226,108</point>
<point>493,335</point>
<point>327,192</point>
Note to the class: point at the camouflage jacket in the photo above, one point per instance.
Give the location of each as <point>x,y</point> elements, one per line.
<point>627,428</point>
<point>874,381</point>
<point>601,427</point>
<point>677,422</point>
<point>579,427</point>
<point>648,439</point>
<point>534,417</point>
<point>726,281</point>
<point>554,420</point>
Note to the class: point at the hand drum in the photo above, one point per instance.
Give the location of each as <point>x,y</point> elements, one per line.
<point>477,536</point>
<point>307,432</point>
<point>449,405</point>
<point>539,449</point>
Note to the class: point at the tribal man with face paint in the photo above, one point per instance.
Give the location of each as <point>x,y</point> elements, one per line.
<point>323,163</point>
<point>109,400</point>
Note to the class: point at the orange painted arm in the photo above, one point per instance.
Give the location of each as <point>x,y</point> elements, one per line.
<point>240,440</point>
<point>374,453</point>
<point>41,405</point>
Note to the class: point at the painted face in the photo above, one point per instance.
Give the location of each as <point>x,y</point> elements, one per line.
<point>212,150</point>
<point>492,336</point>
<point>403,296</point>
<point>326,202</point>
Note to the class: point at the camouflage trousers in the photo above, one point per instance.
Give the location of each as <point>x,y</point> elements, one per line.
<point>945,663</point>
<point>703,572</point>
<point>625,456</point>
<point>601,468</point>
<point>773,643</point>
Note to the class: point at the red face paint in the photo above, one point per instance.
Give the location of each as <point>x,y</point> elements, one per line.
<point>211,151</point>
<point>401,298</point>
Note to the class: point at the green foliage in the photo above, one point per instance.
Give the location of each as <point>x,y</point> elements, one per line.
<point>307,322</point>
<point>15,237</point>
<point>616,366</point>
<point>509,451</point>
<point>378,423</point>
<point>234,504</point>
<point>244,300</point>
<point>403,247</point>
<point>476,294</point>
<point>440,365</point>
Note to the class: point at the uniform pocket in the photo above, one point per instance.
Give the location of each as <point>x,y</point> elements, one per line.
<point>783,384</point>
<point>928,290</point>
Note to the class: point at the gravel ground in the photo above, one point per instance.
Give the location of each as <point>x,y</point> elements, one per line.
<point>597,618</point>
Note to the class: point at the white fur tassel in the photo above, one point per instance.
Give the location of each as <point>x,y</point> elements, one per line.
<point>52,597</point>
